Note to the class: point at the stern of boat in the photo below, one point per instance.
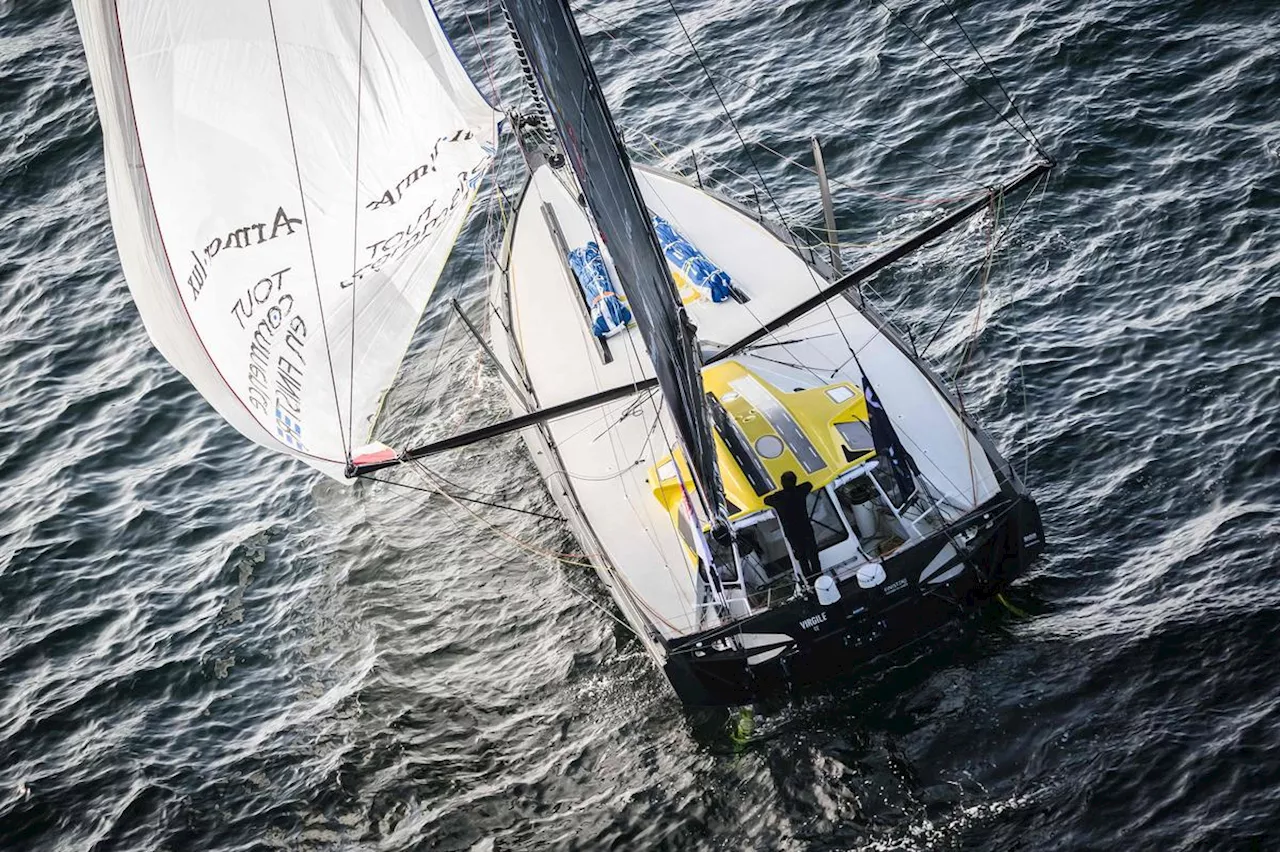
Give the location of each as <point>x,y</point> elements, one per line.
<point>802,643</point>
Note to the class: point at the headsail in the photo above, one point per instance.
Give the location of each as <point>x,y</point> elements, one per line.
<point>559,59</point>
<point>286,180</point>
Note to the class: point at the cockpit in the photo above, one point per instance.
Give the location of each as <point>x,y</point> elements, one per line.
<point>854,513</point>
<point>856,519</point>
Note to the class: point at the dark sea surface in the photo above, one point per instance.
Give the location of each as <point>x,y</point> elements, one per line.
<point>206,646</point>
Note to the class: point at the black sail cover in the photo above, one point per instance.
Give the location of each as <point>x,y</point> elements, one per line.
<point>591,143</point>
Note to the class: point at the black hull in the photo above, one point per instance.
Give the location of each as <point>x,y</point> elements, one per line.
<point>820,643</point>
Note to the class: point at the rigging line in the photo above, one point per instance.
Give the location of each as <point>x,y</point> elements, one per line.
<point>757,346</point>
<point>798,328</point>
<point>1000,115</point>
<point>648,449</point>
<point>621,471</point>
<point>977,321</point>
<point>857,190</point>
<point>756,168</point>
<point>507,143</point>
<point>567,558</point>
<point>631,410</point>
<point>501,197</point>
<point>592,421</point>
<point>551,554</point>
<point>648,435</point>
<point>438,475</point>
<point>484,59</point>
<point>852,357</point>
<point>997,211</point>
<point>970,346</point>
<point>355,242</point>
<point>800,165</point>
<point>302,200</point>
<point>813,115</point>
<point>497,558</point>
<point>580,592</point>
<point>654,143</point>
<point>584,478</point>
<point>639,601</point>
<point>465,499</point>
<point>1026,420</point>
<point>973,276</point>
<point>795,366</point>
<point>435,365</point>
<point>746,306</point>
<point>1003,90</point>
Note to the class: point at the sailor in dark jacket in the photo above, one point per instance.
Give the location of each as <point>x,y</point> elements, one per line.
<point>791,502</point>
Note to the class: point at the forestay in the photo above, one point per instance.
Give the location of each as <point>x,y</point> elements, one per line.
<point>286,180</point>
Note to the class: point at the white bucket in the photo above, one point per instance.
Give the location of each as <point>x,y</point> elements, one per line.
<point>828,591</point>
<point>870,575</point>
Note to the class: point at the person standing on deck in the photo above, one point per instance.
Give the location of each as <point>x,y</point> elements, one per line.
<point>791,502</point>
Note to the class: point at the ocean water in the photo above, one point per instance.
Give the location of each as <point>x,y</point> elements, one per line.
<point>205,646</point>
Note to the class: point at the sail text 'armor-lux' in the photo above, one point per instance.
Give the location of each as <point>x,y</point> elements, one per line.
<point>242,237</point>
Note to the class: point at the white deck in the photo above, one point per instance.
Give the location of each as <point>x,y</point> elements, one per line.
<point>606,454</point>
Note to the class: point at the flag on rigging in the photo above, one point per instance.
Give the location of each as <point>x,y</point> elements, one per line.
<point>886,441</point>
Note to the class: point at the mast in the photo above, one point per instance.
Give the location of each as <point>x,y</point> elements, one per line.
<point>594,149</point>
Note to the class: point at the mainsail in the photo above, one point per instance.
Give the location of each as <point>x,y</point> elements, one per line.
<point>560,63</point>
<point>286,179</point>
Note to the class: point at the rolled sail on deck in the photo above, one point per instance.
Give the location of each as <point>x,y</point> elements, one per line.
<point>281,172</point>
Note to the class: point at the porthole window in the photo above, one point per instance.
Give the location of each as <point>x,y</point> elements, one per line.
<point>769,446</point>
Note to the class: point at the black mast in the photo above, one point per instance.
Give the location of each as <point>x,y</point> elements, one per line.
<point>591,143</point>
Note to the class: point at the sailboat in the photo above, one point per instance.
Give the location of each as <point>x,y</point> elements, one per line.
<point>771,484</point>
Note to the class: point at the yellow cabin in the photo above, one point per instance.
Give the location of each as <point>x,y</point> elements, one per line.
<point>762,431</point>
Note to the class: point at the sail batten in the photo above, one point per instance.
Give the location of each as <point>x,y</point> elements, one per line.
<point>236,196</point>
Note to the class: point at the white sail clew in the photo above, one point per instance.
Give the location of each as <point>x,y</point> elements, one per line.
<point>253,237</point>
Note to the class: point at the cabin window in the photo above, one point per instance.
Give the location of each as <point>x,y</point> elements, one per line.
<point>856,437</point>
<point>763,550</point>
<point>828,528</point>
<point>840,393</point>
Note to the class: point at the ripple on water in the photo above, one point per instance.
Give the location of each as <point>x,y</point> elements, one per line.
<point>205,647</point>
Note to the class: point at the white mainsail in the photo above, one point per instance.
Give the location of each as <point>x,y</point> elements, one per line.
<point>286,181</point>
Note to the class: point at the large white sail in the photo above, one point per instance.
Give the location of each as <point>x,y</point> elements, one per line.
<point>286,180</point>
